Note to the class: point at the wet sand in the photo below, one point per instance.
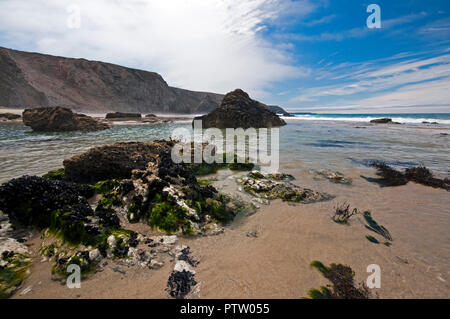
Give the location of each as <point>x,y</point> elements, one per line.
<point>275,264</point>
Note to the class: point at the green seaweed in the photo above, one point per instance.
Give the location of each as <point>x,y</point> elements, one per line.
<point>204,168</point>
<point>110,200</point>
<point>57,174</point>
<point>167,215</point>
<point>375,227</point>
<point>12,276</point>
<point>104,187</point>
<point>372,239</point>
<point>321,293</point>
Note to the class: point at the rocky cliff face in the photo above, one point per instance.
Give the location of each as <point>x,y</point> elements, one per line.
<point>29,80</point>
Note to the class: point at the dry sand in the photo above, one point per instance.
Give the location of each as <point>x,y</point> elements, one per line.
<point>275,264</point>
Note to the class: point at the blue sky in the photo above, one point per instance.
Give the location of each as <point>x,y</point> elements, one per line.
<point>304,55</point>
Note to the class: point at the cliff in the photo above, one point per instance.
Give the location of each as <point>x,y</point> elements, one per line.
<point>30,80</point>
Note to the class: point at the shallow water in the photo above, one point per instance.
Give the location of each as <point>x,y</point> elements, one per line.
<point>304,145</point>
<point>290,236</point>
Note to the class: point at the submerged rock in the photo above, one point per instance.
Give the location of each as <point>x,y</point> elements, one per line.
<point>335,177</point>
<point>268,188</point>
<point>238,110</point>
<point>59,119</point>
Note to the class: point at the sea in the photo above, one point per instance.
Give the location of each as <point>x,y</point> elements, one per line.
<point>309,142</point>
<point>411,118</point>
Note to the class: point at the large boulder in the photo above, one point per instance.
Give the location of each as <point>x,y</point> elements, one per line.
<point>60,119</point>
<point>113,161</point>
<point>239,110</point>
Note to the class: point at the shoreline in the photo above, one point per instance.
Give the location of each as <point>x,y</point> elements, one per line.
<point>275,263</point>
<point>268,254</point>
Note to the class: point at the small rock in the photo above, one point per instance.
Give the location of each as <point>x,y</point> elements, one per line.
<point>115,269</point>
<point>26,290</point>
<point>166,240</point>
<point>155,264</point>
<point>181,265</point>
<point>253,234</point>
<point>95,255</point>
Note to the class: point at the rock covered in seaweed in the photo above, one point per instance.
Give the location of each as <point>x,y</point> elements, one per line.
<point>181,280</point>
<point>168,196</point>
<point>335,177</point>
<point>157,191</point>
<point>278,186</point>
<point>14,259</point>
<point>34,201</point>
<point>163,194</point>
<point>60,119</point>
<point>238,110</point>
<point>113,161</point>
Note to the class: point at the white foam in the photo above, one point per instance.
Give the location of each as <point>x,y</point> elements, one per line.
<point>318,117</point>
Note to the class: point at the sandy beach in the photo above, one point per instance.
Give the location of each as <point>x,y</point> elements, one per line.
<point>275,264</point>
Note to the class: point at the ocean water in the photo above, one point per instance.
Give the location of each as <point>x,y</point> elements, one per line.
<point>410,118</point>
<point>339,143</point>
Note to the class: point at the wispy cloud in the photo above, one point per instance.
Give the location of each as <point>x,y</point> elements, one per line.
<point>354,33</point>
<point>439,29</point>
<point>210,45</point>
<point>323,20</point>
<point>414,81</point>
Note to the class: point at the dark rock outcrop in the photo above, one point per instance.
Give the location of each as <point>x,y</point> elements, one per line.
<point>112,161</point>
<point>419,174</point>
<point>29,80</point>
<point>59,119</point>
<point>61,206</point>
<point>383,121</point>
<point>239,110</point>
<point>120,115</point>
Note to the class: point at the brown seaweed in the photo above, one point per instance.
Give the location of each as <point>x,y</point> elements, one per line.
<point>342,280</point>
<point>418,174</point>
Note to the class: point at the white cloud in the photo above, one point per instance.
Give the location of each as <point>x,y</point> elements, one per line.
<point>212,45</point>
<point>412,82</point>
<point>431,97</point>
